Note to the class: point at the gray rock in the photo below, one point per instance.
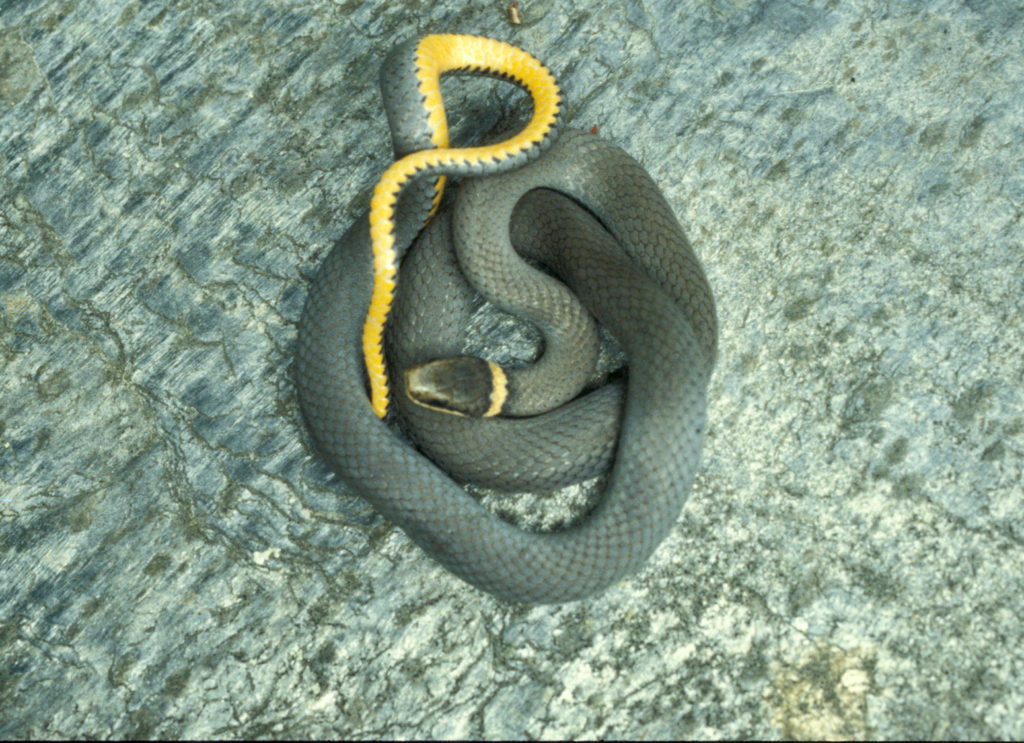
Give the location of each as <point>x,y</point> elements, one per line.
<point>176,562</point>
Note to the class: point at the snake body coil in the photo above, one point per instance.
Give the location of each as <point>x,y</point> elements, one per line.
<point>623,254</point>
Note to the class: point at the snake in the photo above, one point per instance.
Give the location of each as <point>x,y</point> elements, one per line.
<point>553,224</point>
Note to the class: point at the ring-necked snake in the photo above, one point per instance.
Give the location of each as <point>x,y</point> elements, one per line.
<point>583,210</point>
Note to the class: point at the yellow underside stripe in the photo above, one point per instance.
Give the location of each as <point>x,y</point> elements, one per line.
<point>435,55</point>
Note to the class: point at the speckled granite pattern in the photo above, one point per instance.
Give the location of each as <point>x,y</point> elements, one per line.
<point>175,561</point>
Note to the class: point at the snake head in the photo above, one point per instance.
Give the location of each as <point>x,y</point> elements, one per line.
<point>461,385</point>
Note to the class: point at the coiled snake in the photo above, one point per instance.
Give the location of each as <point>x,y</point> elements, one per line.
<point>584,210</point>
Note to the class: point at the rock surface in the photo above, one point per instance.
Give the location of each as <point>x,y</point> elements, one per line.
<point>174,560</point>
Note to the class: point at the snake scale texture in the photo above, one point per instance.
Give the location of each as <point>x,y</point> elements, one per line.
<point>588,213</point>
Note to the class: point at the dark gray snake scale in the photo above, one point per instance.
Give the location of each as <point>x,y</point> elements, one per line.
<point>631,267</point>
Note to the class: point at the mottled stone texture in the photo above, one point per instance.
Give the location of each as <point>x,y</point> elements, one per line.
<point>174,560</point>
